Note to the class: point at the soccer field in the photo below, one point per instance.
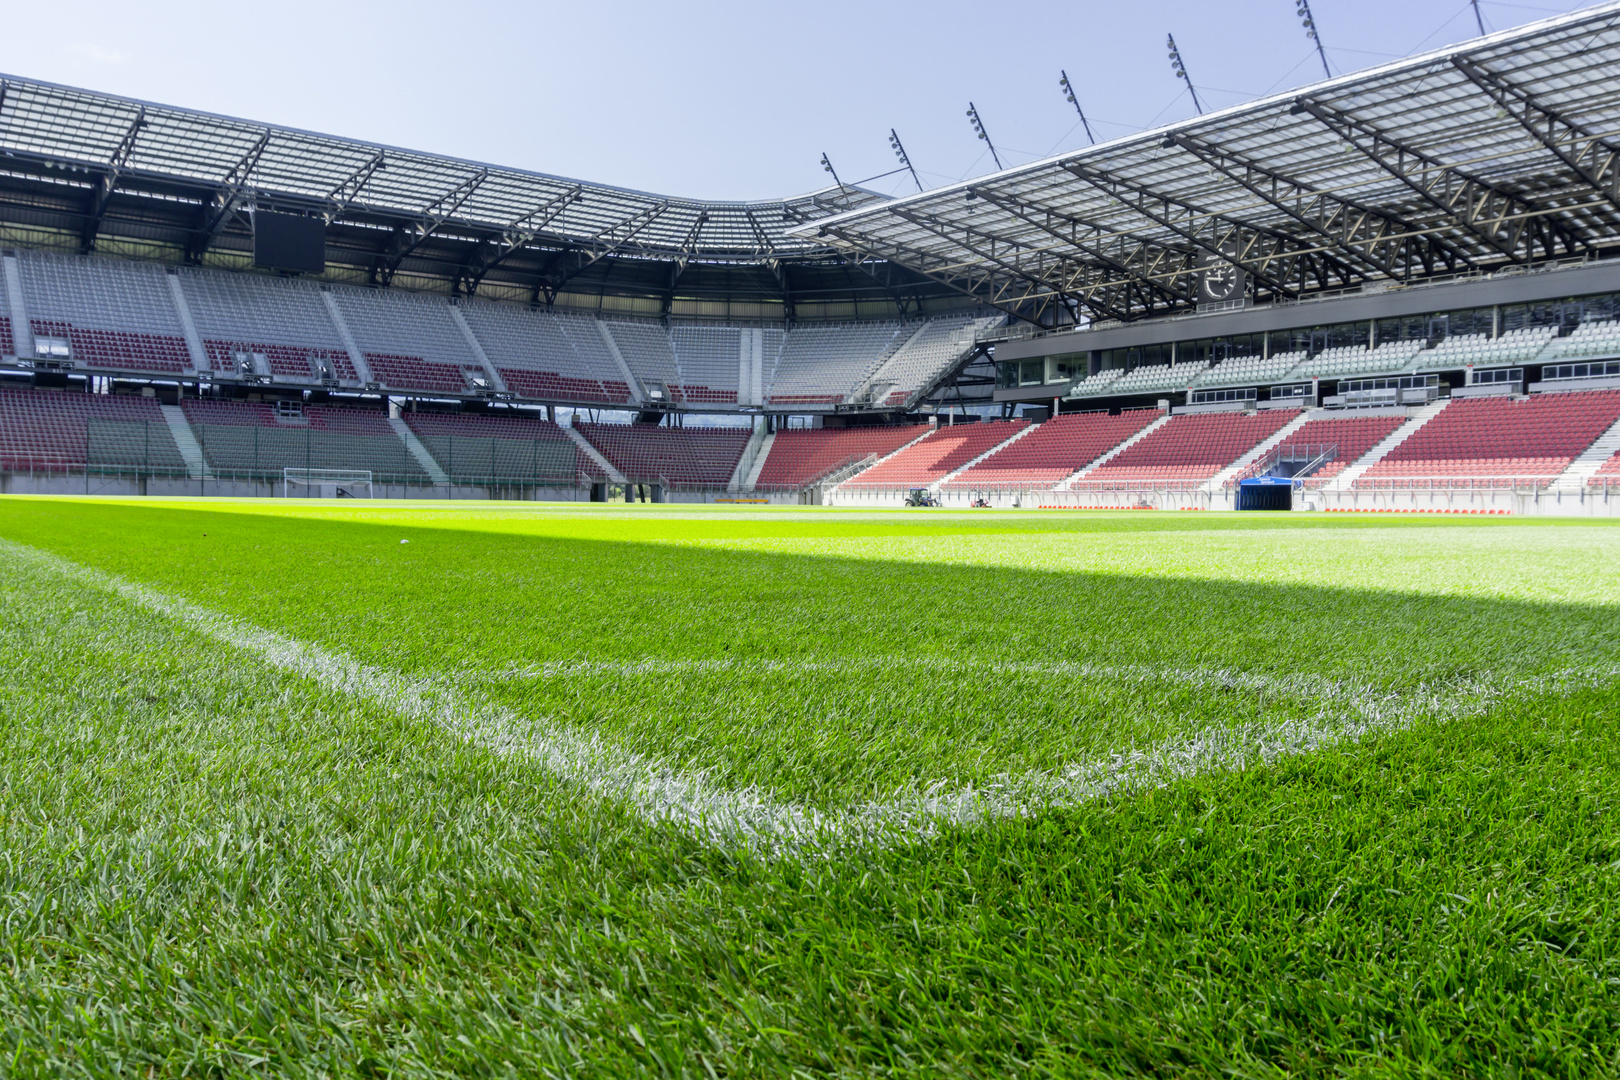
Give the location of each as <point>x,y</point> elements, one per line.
<point>516,790</point>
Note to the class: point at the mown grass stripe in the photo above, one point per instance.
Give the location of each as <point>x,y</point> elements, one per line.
<point>1346,711</point>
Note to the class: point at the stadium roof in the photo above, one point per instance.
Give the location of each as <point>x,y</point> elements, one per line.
<point>1502,151</point>
<point>87,171</point>
<point>336,176</point>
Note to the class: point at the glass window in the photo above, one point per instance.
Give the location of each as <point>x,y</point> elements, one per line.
<point>1315,339</point>
<point>1066,367</point>
<point>1032,372</point>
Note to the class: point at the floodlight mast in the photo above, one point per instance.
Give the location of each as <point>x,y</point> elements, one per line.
<point>978,126</point>
<point>900,153</point>
<point>827,165</point>
<point>1303,9</point>
<point>1181,73</point>
<point>1068,92</point>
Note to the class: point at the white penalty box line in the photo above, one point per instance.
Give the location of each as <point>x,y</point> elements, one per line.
<point>1346,712</point>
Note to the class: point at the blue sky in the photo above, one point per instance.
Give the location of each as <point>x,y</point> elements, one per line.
<point>719,100</point>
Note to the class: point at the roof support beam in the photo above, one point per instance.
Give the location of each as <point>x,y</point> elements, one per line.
<point>407,238</point>
<point>494,250</point>
<point>1588,156</point>
<point>342,197</point>
<point>1135,264</point>
<point>983,246</point>
<point>598,247</point>
<point>1495,216</point>
<point>226,201</point>
<point>1027,304</point>
<point>1370,238</point>
<point>1258,250</point>
<point>101,195</point>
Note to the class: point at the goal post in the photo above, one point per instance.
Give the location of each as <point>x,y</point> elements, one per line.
<point>326,483</point>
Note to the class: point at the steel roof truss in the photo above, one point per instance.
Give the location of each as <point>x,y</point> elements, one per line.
<point>226,200</point>
<point>1266,256</point>
<point>980,284</point>
<point>1590,157</point>
<point>1038,275</point>
<point>342,196</point>
<point>599,247</point>
<point>494,250</point>
<point>1372,239</point>
<point>102,194</point>
<point>1135,264</point>
<point>407,238</point>
<point>1503,220</point>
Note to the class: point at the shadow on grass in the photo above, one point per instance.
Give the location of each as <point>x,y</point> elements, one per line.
<point>470,598</point>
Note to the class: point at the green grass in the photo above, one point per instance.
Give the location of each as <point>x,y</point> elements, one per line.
<point>209,865</point>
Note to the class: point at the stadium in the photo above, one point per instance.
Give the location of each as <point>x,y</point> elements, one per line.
<point>463,620</point>
<point>1408,304</point>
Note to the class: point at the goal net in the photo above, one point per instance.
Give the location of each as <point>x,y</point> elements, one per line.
<point>326,483</point>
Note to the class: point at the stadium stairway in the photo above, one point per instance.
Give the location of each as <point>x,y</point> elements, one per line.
<point>356,357</point>
<point>1002,445</point>
<point>1585,466</point>
<point>608,468</point>
<point>1218,481</point>
<point>186,440</point>
<point>1068,481</point>
<point>927,430</point>
<point>495,381</point>
<point>22,335</point>
<point>418,451</point>
<point>188,328</point>
<point>749,467</point>
<point>1345,481</point>
<point>638,393</point>
<point>864,385</point>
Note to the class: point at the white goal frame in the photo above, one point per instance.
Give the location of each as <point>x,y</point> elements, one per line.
<point>343,483</point>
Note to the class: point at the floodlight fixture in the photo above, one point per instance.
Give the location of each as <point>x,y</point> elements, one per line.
<point>978,127</point>
<point>900,154</point>
<point>1302,8</point>
<point>826,165</point>
<point>1068,92</point>
<point>1180,71</point>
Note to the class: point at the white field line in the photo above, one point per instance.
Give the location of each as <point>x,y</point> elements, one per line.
<point>1347,711</point>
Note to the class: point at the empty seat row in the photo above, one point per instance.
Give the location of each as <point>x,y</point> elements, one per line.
<point>499,448</point>
<point>937,455</point>
<point>1056,449</point>
<point>60,429</point>
<point>1190,446</point>
<point>800,456</point>
<point>1536,436</point>
<point>652,453</point>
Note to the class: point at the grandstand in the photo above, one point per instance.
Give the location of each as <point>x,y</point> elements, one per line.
<point>1335,443</point>
<point>1187,448</point>
<point>52,431</point>
<point>499,449</point>
<point>935,457</point>
<point>282,321</point>
<point>799,457</point>
<point>702,458</point>
<point>1531,439</point>
<point>1459,324</point>
<point>1054,451</point>
<point>109,315</point>
<point>254,441</point>
<point>821,365</point>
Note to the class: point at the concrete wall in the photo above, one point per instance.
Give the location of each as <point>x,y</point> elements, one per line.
<point>18,483</point>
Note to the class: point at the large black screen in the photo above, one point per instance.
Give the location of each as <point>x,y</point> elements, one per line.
<point>289,242</point>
